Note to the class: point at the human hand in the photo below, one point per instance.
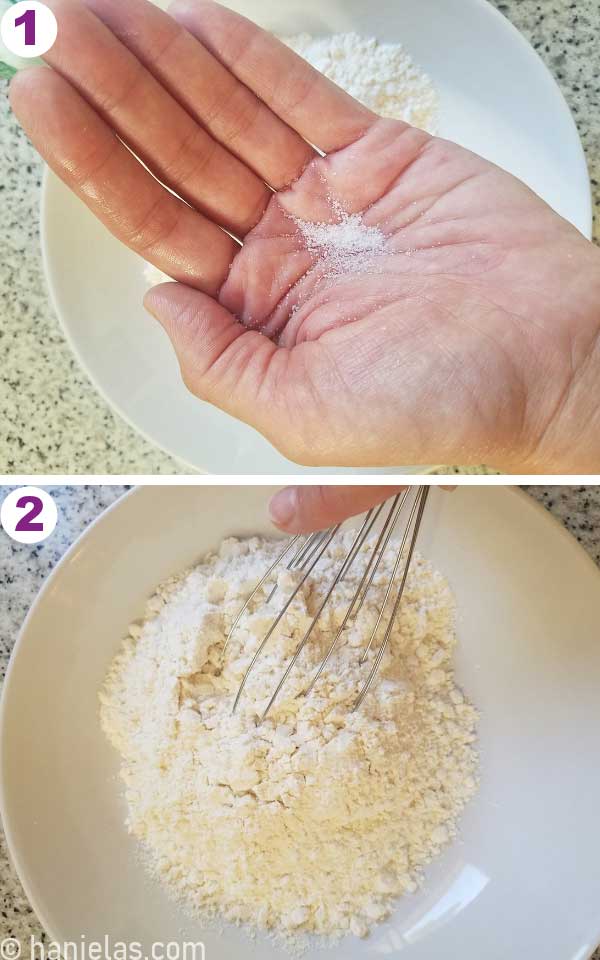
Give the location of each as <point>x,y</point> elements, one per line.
<point>472,335</point>
<point>309,508</point>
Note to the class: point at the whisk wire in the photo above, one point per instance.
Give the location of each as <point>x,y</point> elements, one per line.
<point>419,507</point>
<point>283,612</point>
<point>306,543</point>
<point>391,581</point>
<point>314,542</point>
<point>315,619</point>
<point>360,540</point>
<point>308,552</point>
<point>380,549</point>
<point>350,609</point>
<point>257,588</point>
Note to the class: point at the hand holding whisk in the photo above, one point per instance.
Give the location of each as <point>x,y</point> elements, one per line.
<point>306,552</point>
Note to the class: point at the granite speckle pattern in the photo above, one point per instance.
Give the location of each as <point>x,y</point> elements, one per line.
<point>23,570</point>
<point>565,35</point>
<point>53,419</point>
<point>579,509</point>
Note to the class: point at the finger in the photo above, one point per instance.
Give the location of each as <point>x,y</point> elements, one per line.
<point>92,161</point>
<point>319,110</point>
<point>305,509</point>
<point>208,90</point>
<point>157,128</point>
<point>221,361</point>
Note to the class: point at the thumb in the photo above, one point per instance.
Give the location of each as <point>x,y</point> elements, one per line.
<point>221,360</point>
<point>305,509</point>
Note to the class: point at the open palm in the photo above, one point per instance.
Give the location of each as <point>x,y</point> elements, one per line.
<point>448,316</point>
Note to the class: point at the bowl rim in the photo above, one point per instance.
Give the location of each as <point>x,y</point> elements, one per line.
<point>120,503</point>
<point>582,173</point>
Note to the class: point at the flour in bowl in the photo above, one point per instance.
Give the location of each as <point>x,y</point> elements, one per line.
<point>382,76</point>
<point>319,818</point>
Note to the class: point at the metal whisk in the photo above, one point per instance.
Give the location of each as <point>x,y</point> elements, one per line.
<point>306,552</point>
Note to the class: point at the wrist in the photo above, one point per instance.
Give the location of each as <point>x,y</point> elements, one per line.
<point>568,441</point>
<point>571,444</point>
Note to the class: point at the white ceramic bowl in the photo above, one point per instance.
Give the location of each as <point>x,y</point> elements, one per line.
<point>523,882</point>
<point>497,98</point>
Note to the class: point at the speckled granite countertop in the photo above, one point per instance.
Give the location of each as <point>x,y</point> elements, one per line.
<point>53,421</point>
<point>23,570</point>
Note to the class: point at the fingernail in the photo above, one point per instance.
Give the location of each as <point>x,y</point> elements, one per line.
<point>283,506</point>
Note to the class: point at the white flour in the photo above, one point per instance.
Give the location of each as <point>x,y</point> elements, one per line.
<point>318,819</point>
<point>381,75</point>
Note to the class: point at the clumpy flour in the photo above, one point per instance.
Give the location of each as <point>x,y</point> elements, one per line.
<point>319,818</point>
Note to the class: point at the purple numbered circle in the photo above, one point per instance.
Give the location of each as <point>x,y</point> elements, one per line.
<point>28,28</point>
<point>28,515</point>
